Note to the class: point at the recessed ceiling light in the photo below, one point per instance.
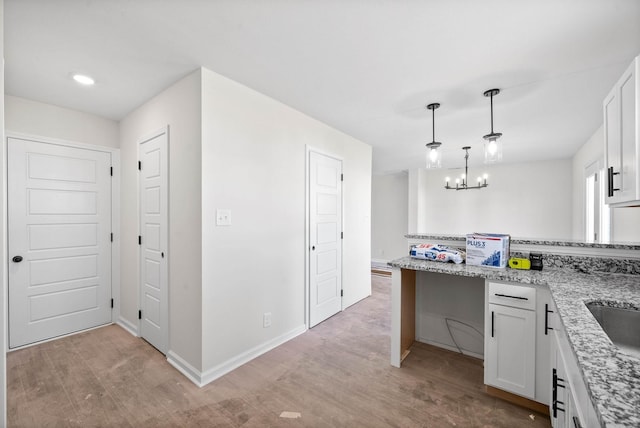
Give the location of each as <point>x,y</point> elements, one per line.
<point>83,80</point>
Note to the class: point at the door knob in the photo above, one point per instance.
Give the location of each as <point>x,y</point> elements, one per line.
<point>17,259</point>
<point>313,248</point>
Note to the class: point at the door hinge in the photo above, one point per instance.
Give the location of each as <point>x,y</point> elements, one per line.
<point>139,166</point>
<point>111,303</point>
<point>139,239</point>
<point>341,235</point>
<point>341,293</point>
<point>111,171</point>
<point>595,176</point>
<point>341,177</point>
<point>140,314</point>
<point>111,236</point>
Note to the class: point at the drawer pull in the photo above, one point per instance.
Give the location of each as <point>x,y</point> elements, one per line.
<point>511,297</point>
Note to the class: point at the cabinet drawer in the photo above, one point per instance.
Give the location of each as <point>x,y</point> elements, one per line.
<point>512,295</point>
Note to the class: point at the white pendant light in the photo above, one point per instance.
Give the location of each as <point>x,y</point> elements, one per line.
<point>434,156</point>
<point>492,143</point>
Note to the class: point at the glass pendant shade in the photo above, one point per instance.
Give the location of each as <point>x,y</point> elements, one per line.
<point>492,150</point>
<point>434,157</point>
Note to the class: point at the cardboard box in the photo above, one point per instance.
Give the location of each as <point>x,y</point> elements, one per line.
<point>488,249</point>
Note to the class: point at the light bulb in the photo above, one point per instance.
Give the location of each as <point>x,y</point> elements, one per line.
<point>492,147</point>
<point>457,181</point>
<point>485,176</point>
<point>446,179</point>
<point>433,155</point>
<point>479,179</point>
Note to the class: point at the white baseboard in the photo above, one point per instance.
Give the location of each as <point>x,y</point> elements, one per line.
<point>380,264</point>
<point>201,379</point>
<point>128,326</point>
<point>185,368</point>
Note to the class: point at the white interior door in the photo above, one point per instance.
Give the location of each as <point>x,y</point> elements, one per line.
<point>154,240</point>
<point>59,201</point>
<point>325,240</point>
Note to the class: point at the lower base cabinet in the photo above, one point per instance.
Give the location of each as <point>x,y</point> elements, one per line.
<point>510,338</point>
<point>570,405</point>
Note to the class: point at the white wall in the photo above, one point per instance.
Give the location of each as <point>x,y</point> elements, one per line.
<point>253,157</point>
<point>179,106</point>
<point>46,120</point>
<point>625,221</point>
<point>389,216</point>
<point>527,200</point>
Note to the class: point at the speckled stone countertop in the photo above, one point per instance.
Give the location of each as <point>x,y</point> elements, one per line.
<point>531,241</point>
<point>612,377</point>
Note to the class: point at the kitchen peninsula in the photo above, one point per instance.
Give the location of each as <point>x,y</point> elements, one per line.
<point>574,273</point>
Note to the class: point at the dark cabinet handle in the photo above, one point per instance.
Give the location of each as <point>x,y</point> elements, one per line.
<point>511,297</point>
<point>492,323</point>
<point>17,259</point>
<point>546,319</point>
<point>556,384</point>
<point>610,188</point>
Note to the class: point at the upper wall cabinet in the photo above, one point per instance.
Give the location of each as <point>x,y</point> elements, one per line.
<point>622,139</point>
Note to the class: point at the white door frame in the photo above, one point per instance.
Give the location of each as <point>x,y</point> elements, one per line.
<point>115,220</point>
<point>164,244</point>
<point>307,244</point>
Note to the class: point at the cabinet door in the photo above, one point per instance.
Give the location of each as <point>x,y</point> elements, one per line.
<point>544,333</point>
<point>628,133</point>
<point>621,138</point>
<point>511,350</point>
<point>612,146</point>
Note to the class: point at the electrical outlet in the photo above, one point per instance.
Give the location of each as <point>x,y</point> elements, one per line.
<point>223,217</point>
<point>266,320</point>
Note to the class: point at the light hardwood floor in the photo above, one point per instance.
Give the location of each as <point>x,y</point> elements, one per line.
<point>336,375</point>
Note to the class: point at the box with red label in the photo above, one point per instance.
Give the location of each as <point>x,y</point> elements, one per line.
<point>488,249</point>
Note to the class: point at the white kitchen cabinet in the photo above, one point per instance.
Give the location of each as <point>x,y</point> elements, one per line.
<point>621,108</point>
<point>544,336</point>
<point>510,338</point>
<point>570,405</point>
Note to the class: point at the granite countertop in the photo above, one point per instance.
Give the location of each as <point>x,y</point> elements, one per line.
<point>612,377</point>
<point>532,241</point>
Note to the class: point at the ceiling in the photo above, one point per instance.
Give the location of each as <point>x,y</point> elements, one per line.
<point>367,68</point>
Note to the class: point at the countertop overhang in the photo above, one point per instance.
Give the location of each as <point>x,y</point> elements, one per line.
<point>612,377</point>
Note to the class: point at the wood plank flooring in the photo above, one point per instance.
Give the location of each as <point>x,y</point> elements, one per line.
<point>336,375</point>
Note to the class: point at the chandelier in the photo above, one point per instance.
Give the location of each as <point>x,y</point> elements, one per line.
<point>462,183</point>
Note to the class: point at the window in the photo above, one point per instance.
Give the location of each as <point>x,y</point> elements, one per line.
<point>597,213</point>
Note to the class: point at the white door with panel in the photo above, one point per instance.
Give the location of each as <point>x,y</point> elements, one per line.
<point>325,237</point>
<point>59,221</point>
<point>154,240</point>
<point>510,338</point>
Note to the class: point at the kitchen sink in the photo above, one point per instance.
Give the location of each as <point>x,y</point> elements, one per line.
<point>620,324</point>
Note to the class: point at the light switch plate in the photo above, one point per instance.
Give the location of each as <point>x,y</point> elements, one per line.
<point>223,217</point>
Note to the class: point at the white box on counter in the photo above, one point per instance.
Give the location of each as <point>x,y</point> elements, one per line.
<point>488,249</point>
